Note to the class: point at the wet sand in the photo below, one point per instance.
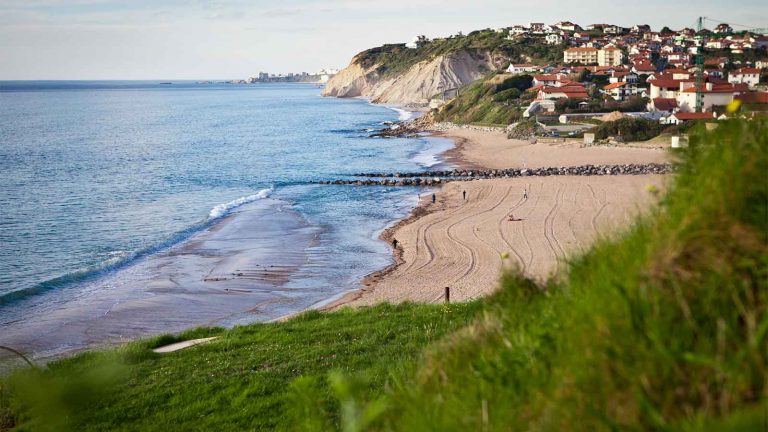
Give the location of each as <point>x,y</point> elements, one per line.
<point>233,272</point>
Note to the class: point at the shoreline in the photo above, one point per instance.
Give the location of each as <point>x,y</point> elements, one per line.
<point>464,155</point>
<point>205,280</point>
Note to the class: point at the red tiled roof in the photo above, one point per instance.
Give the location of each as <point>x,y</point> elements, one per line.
<point>614,85</point>
<point>550,77</point>
<point>665,104</point>
<point>754,97</point>
<point>742,87</point>
<point>715,89</point>
<point>580,49</point>
<point>564,89</point>
<point>746,71</point>
<point>693,115</point>
<point>666,83</point>
<point>577,95</point>
<point>645,66</point>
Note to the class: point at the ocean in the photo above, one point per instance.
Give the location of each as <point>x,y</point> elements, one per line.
<point>134,208</point>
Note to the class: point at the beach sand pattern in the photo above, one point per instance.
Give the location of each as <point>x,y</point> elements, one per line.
<point>459,244</point>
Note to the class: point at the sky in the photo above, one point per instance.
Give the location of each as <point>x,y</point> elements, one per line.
<point>197,39</point>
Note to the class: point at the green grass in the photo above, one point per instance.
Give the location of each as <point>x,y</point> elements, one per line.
<point>661,328</point>
<point>246,380</point>
<point>487,101</point>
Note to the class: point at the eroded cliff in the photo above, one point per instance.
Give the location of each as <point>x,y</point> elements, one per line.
<point>415,84</point>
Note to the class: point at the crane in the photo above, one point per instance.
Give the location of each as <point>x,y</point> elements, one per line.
<point>699,64</point>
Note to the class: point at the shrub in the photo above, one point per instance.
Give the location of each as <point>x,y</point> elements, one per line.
<point>629,129</point>
<point>506,95</point>
<point>519,82</point>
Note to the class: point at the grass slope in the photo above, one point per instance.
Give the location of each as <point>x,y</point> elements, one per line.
<point>493,100</point>
<point>243,381</point>
<point>663,328</point>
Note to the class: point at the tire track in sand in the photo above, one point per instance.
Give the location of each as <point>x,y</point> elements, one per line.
<point>548,230</point>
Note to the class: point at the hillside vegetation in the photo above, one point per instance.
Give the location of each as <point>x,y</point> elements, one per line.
<point>393,59</point>
<point>499,99</point>
<point>663,327</point>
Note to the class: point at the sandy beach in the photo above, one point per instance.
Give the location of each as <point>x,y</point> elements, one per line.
<point>492,150</point>
<point>461,244</point>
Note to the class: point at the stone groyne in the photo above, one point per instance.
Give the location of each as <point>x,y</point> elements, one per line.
<point>431,178</point>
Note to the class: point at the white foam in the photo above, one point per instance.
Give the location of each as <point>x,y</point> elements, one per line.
<point>429,155</point>
<point>403,115</point>
<point>223,209</point>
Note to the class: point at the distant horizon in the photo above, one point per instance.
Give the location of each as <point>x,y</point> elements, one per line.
<point>96,40</point>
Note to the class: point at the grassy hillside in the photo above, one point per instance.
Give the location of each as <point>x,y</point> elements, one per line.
<point>246,380</point>
<point>662,328</point>
<point>498,99</point>
<point>396,58</point>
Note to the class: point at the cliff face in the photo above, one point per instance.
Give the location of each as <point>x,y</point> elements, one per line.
<point>417,84</point>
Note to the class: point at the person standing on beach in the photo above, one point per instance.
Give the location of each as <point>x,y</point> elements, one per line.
<point>525,193</point>
<point>465,195</point>
<point>394,243</point>
<point>433,198</point>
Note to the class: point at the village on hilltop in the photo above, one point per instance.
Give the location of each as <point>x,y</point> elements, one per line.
<point>679,75</point>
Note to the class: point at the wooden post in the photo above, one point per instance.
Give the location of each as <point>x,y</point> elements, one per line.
<point>447,295</point>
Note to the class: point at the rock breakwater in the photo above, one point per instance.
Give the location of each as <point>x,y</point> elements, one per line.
<point>432,178</point>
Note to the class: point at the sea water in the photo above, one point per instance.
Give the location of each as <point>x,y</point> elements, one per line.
<point>136,208</point>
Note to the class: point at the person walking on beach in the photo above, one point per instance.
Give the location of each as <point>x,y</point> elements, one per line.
<point>433,198</point>
<point>525,193</point>
<point>465,195</point>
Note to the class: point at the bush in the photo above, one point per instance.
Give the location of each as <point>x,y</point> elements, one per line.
<point>519,82</point>
<point>629,129</point>
<point>506,95</point>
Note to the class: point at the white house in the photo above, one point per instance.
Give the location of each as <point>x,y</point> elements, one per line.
<point>668,88</point>
<point>750,76</point>
<point>613,29</point>
<point>554,39</point>
<point>566,25</point>
<point>548,79</point>
<point>518,30</point>
<point>711,95</point>
<point>521,68</point>
<point>539,28</point>
<point>681,117</point>
<point>641,28</point>
<point>416,42</point>
<point>617,91</point>
<point>723,28</point>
